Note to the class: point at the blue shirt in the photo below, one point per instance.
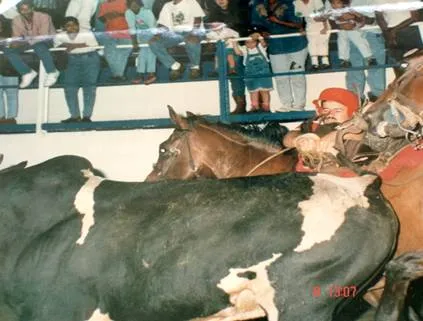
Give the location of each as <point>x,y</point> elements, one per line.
<point>281,45</point>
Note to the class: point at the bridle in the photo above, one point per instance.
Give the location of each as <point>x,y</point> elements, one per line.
<point>398,102</point>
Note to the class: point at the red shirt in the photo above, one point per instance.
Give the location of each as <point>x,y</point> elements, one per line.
<point>117,23</point>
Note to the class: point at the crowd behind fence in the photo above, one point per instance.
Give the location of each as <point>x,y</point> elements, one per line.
<point>257,46</point>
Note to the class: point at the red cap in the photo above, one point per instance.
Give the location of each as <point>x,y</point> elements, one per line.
<point>340,95</point>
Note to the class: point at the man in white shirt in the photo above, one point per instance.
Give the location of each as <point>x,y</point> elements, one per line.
<point>396,28</point>
<point>83,10</point>
<point>180,20</point>
<point>82,70</point>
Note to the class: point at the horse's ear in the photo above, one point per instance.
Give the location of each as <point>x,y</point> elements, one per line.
<point>190,114</point>
<point>180,122</point>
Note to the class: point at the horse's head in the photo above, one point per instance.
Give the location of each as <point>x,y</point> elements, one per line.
<point>176,159</point>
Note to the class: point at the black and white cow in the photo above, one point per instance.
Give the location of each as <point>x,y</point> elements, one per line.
<point>76,247</point>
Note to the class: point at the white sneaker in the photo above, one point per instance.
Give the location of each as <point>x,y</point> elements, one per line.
<point>27,79</point>
<point>51,78</point>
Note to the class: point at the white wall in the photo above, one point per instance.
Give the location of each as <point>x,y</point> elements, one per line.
<point>124,155</point>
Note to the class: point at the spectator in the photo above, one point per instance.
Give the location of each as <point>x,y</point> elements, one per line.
<point>219,31</point>
<point>349,33</point>
<point>376,77</point>
<point>235,15</point>
<point>256,63</point>
<point>399,35</point>
<point>9,107</point>
<point>112,13</point>
<point>140,21</point>
<point>286,54</point>
<point>83,10</point>
<point>317,32</point>
<point>32,29</point>
<point>180,21</point>
<point>82,70</point>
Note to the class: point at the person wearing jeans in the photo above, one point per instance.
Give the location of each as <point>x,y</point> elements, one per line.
<point>112,13</point>
<point>9,108</point>
<point>180,21</point>
<point>29,31</point>
<point>82,70</point>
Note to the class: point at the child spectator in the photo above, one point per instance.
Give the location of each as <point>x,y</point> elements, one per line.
<point>82,70</point>
<point>256,63</point>
<point>221,32</point>
<point>9,108</point>
<point>112,13</point>
<point>180,21</point>
<point>316,31</point>
<point>344,19</point>
<point>140,21</point>
<point>32,30</point>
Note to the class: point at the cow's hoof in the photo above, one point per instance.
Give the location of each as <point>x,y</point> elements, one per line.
<point>406,267</point>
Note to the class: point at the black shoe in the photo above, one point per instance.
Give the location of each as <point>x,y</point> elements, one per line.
<point>371,62</point>
<point>325,66</point>
<point>195,73</point>
<point>86,120</point>
<point>314,68</point>
<point>344,63</point>
<point>72,120</point>
<point>177,74</point>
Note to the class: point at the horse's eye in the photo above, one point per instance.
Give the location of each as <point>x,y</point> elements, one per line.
<point>404,65</point>
<point>162,150</point>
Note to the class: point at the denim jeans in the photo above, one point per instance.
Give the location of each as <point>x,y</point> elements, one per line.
<point>117,58</point>
<point>170,39</point>
<point>291,88</point>
<point>237,84</point>
<point>11,94</point>
<point>355,37</point>
<point>376,77</point>
<point>41,50</point>
<point>82,71</point>
<point>146,58</point>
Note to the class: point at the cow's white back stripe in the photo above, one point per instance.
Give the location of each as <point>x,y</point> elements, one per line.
<point>98,316</point>
<point>325,211</point>
<point>84,203</point>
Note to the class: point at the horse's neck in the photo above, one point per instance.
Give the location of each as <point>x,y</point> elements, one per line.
<point>227,154</point>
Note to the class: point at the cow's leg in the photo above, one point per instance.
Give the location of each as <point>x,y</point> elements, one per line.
<point>399,273</point>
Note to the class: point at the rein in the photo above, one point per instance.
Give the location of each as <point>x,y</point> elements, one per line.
<point>238,143</point>
<point>267,159</point>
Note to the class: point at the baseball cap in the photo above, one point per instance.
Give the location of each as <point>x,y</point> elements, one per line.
<point>340,95</point>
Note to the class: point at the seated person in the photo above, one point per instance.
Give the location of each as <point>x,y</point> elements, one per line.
<point>179,21</point>
<point>32,30</point>
<point>112,13</point>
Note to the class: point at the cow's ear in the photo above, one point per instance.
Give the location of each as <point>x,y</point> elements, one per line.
<point>180,122</point>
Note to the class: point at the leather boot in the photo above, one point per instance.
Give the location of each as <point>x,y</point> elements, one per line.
<point>241,105</point>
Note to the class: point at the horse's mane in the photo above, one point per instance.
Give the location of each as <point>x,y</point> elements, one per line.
<point>271,134</point>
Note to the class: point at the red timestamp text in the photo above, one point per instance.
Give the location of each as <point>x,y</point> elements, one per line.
<point>337,291</point>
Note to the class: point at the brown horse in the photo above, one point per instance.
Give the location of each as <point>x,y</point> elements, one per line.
<point>198,148</point>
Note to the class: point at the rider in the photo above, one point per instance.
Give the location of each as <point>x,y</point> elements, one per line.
<point>334,106</point>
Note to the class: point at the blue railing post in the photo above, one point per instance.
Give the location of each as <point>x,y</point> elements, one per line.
<point>223,82</point>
